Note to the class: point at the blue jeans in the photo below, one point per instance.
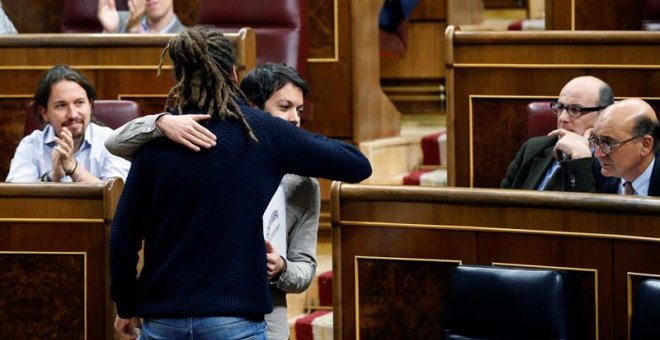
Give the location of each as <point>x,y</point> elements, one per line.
<point>206,328</point>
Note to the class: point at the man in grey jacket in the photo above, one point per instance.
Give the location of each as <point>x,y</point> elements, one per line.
<point>279,90</point>
<point>154,16</point>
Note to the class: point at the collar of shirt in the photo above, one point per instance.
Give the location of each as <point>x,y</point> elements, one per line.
<point>145,25</point>
<point>49,137</point>
<point>641,183</point>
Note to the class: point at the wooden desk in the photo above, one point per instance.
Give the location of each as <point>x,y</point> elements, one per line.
<point>394,248</point>
<point>119,66</point>
<point>54,260</point>
<point>491,76</point>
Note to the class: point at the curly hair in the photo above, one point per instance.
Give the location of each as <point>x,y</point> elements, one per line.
<point>204,63</point>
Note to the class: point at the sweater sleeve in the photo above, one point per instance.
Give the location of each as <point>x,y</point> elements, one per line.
<point>314,155</point>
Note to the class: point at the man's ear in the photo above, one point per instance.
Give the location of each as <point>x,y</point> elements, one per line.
<point>43,113</point>
<point>234,75</point>
<point>647,145</point>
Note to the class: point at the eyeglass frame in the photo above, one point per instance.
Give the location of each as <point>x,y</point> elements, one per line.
<point>558,108</point>
<point>595,142</point>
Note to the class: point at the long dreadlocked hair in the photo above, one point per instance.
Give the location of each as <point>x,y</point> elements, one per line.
<point>204,67</point>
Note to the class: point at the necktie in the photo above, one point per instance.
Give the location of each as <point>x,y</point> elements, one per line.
<point>628,188</point>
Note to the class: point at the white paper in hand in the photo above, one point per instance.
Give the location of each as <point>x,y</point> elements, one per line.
<point>274,220</point>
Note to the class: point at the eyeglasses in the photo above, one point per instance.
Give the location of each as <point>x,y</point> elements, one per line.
<point>573,110</point>
<point>608,147</point>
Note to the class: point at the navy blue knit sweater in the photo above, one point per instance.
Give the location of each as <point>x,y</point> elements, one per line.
<point>200,215</point>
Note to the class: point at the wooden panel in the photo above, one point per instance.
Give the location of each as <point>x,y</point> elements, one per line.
<point>53,247</point>
<point>34,288</point>
<point>597,239</point>
<point>117,66</point>
<point>424,55</point>
<point>374,115</point>
<point>614,15</point>
<point>12,121</point>
<point>330,81</point>
<point>322,21</point>
<point>385,288</point>
<point>430,10</point>
<point>396,244</point>
<point>530,65</point>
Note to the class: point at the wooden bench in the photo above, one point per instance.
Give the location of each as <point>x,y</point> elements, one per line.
<point>394,248</point>
<point>54,259</point>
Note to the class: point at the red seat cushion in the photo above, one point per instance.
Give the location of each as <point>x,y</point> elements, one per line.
<point>413,177</point>
<point>431,149</point>
<point>304,328</point>
<point>325,289</point>
<point>540,120</point>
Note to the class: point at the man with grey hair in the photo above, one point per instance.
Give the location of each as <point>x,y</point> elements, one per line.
<point>562,160</point>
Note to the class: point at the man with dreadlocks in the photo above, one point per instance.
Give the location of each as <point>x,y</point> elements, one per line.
<point>279,90</point>
<point>200,213</point>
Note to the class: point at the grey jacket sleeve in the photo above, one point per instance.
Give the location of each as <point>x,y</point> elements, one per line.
<point>303,205</point>
<point>127,139</point>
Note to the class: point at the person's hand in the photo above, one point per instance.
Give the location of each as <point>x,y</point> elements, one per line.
<point>571,144</point>
<point>185,130</point>
<point>108,16</point>
<point>274,262</point>
<point>64,148</point>
<point>136,8</point>
<point>127,328</point>
<point>56,172</point>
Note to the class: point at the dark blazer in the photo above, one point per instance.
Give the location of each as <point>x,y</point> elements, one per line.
<point>534,159</point>
<point>610,185</point>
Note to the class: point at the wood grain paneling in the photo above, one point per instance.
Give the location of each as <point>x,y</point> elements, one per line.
<point>53,246</point>
<point>322,21</point>
<point>597,239</point>
<point>42,296</point>
<point>613,15</point>
<point>386,287</point>
<point>424,55</point>
<point>430,10</point>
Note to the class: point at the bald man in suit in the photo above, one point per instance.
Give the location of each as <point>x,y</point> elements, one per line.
<point>562,160</point>
<point>625,140</point>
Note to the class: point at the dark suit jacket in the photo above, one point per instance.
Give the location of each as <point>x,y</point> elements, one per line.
<point>535,158</point>
<point>610,185</point>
